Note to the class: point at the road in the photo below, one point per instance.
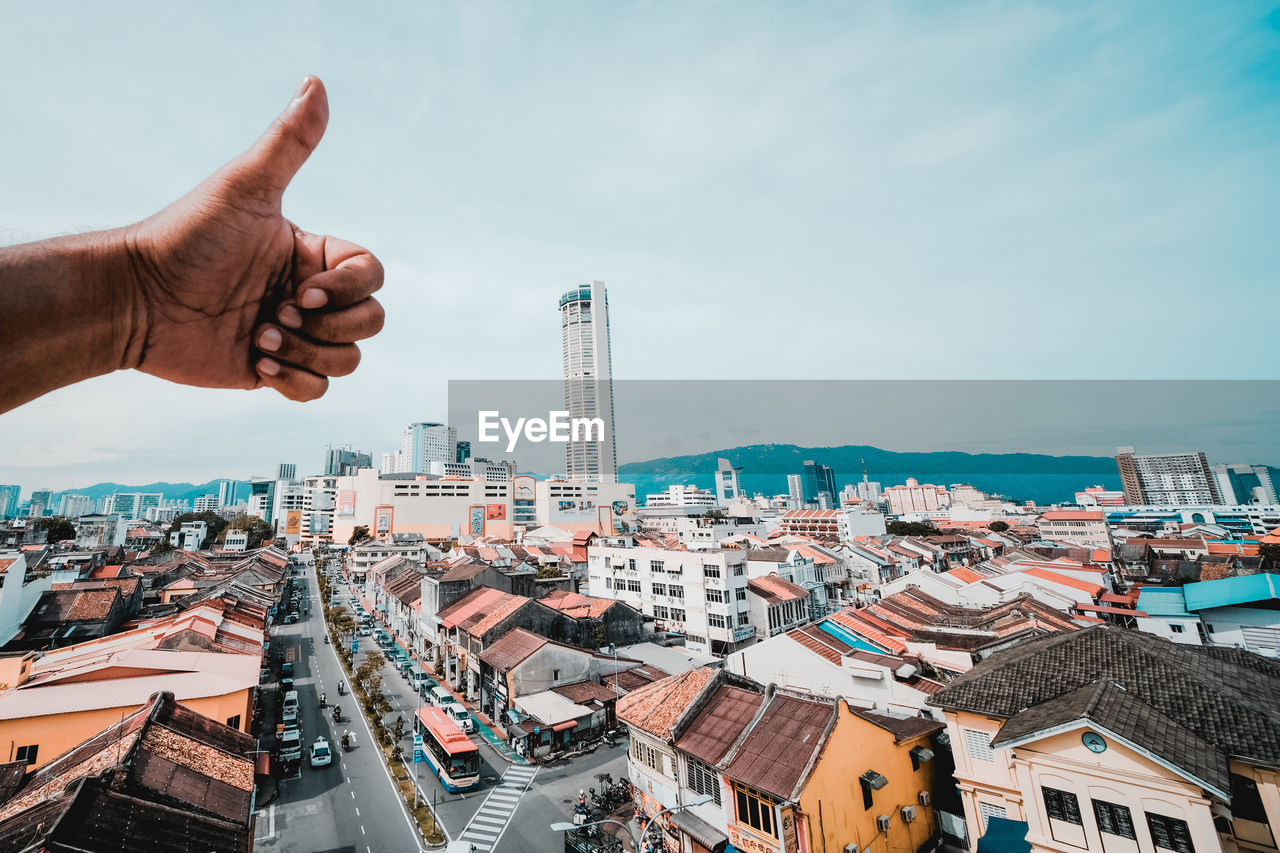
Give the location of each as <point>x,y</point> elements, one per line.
<point>350,806</point>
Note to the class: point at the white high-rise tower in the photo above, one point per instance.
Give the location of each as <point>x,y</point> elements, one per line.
<point>588,380</point>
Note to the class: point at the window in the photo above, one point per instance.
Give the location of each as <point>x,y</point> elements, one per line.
<point>659,589</point>
<point>657,566</point>
<point>652,758</point>
<point>739,570</point>
<point>677,615</point>
<point>555,675</point>
<point>978,745</point>
<point>755,809</point>
<point>703,780</point>
<point>608,583</point>
<point>740,594</point>
<point>633,586</point>
<point>675,591</point>
<point>1170,833</point>
<point>711,571</point>
<point>986,811</point>
<point>1246,802</point>
<point>1177,629</point>
<point>715,595</point>
<point>1114,819</point>
<point>27,753</point>
<point>744,619</point>
<point>715,620</point>
<point>631,565</point>
<point>1062,805</point>
<point>234,722</point>
<point>660,612</point>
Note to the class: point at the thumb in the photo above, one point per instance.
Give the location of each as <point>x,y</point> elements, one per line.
<point>280,152</point>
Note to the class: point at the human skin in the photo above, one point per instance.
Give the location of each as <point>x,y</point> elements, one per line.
<point>218,290</point>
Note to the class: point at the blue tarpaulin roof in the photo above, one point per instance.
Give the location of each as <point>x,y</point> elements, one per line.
<point>1226,592</point>
<point>1004,836</point>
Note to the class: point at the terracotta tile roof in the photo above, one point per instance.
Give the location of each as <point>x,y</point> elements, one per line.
<point>481,610</point>
<point>776,752</point>
<point>903,728</point>
<point>719,722</point>
<point>966,575</point>
<point>91,605</point>
<point>656,707</point>
<point>576,605</point>
<point>820,643</point>
<point>586,691</point>
<point>1073,515</point>
<point>1065,580</point>
<point>511,648</point>
<point>775,589</point>
<point>6,562</point>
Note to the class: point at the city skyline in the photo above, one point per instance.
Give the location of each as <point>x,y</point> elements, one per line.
<point>1099,152</point>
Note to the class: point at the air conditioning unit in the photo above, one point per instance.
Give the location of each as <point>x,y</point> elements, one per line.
<point>924,798</point>
<point>882,823</point>
<point>908,813</point>
<point>852,847</point>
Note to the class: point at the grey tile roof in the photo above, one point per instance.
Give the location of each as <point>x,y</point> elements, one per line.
<point>1191,705</point>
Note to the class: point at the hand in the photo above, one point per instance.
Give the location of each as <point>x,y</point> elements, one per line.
<point>227,293</point>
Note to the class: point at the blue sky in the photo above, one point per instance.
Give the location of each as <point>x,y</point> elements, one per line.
<point>770,190</point>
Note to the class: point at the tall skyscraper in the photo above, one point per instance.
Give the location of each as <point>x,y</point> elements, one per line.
<point>819,485</point>
<point>345,462</point>
<point>286,471</point>
<point>464,452</point>
<point>728,482</point>
<point>795,490</point>
<point>421,444</point>
<point>9,496</point>
<point>227,490</point>
<point>41,503</point>
<point>1166,479</point>
<point>588,381</point>
<point>1244,484</point>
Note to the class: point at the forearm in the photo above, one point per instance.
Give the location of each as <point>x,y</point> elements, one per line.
<point>66,313</point>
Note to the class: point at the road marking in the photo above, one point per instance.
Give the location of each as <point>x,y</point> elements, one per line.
<point>357,811</point>
<point>353,795</point>
<point>362,832</point>
<point>490,822</point>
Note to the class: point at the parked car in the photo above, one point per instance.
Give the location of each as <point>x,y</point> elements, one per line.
<point>442,698</point>
<point>291,745</point>
<point>320,754</point>
<point>366,631</point>
<point>461,716</point>
<point>291,618</point>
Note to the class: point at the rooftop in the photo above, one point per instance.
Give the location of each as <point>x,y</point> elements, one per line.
<point>655,708</point>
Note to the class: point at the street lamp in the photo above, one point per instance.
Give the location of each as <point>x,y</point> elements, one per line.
<point>636,841</point>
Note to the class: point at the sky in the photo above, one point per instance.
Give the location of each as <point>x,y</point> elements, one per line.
<point>770,191</point>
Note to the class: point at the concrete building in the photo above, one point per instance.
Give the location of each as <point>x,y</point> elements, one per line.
<point>9,499</point>
<point>1244,484</point>
<point>134,505</point>
<point>1098,496</point>
<point>818,483</point>
<point>843,524</point>
<point>424,444</point>
<point>74,506</point>
<point>1115,740</point>
<point>1241,612</point>
<point>20,590</point>
<point>1078,526</point>
<point>912,496</point>
<point>1166,479</point>
<point>701,594</point>
<point>316,519</point>
<point>679,495</point>
<point>728,482</point>
<point>575,506</point>
<point>190,536</point>
<point>343,461</point>
<point>588,380</point>
<point>41,504</point>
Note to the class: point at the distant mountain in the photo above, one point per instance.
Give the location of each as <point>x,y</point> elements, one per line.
<point>1019,476</point>
<point>172,491</point>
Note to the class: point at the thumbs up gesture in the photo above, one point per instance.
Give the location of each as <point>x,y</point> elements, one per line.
<point>224,292</point>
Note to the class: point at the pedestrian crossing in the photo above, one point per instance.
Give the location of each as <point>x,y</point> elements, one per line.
<point>491,820</point>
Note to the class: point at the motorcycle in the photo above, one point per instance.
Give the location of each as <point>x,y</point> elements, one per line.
<point>342,688</point>
<point>326,639</point>
<point>337,714</point>
<point>346,742</point>
<point>323,703</point>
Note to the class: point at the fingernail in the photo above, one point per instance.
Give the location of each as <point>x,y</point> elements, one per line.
<point>303,87</point>
<point>314,298</point>
<point>270,339</point>
<point>268,366</point>
<point>290,317</point>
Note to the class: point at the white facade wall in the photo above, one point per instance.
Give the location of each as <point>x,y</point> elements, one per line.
<point>18,596</point>
<point>710,604</point>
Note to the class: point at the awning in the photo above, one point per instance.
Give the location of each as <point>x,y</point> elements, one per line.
<point>262,763</point>
<point>1004,836</point>
<point>700,831</point>
<point>565,726</point>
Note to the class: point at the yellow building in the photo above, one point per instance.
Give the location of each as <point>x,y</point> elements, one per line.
<point>1119,742</point>
<point>786,771</point>
<point>209,658</point>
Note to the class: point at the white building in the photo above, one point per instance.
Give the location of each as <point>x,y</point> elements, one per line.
<point>795,491</point>
<point>74,506</point>
<point>572,505</point>
<point>1078,526</point>
<point>189,536</point>
<point>1244,484</point>
<point>843,524</point>
<point>701,594</point>
<point>423,445</point>
<point>728,483</point>
<point>410,546</point>
<point>698,533</point>
<point>19,592</point>
<point>913,496</point>
<point>236,540</point>
<point>100,530</point>
<point>1166,479</point>
<point>677,495</point>
<point>207,503</point>
<point>134,505</point>
<point>588,380</point>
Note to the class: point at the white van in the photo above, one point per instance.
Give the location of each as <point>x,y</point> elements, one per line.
<point>461,716</point>
<point>291,701</point>
<point>442,698</point>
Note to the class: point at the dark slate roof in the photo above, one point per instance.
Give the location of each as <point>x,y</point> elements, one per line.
<point>719,722</point>
<point>1193,706</point>
<point>11,775</point>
